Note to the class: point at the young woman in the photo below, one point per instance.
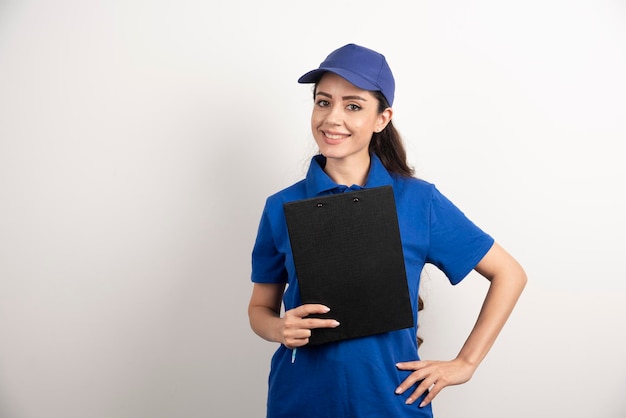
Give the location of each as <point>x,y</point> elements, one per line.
<point>379,375</point>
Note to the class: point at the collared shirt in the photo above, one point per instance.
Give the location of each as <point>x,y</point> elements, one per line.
<point>358,377</point>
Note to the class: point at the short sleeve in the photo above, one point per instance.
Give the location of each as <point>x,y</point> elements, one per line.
<point>268,264</point>
<point>456,243</point>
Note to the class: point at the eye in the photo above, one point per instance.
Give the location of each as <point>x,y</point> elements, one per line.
<point>353,107</point>
<point>322,103</point>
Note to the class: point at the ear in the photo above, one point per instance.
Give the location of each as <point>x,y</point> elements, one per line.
<point>383,119</point>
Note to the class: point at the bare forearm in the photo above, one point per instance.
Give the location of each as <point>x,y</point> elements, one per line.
<point>507,279</point>
<point>293,329</point>
<point>265,323</point>
<point>504,291</point>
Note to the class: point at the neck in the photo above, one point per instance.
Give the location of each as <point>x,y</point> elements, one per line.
<point>348,172</point>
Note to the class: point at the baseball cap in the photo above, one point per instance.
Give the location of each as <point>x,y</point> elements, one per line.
<point>363,67</point>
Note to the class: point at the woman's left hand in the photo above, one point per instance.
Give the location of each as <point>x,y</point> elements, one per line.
<point>434,375</point>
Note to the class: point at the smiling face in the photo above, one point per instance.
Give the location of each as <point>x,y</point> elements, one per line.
<point>343,120</point>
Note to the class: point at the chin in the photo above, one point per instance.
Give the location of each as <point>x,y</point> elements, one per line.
<point>331,153</point>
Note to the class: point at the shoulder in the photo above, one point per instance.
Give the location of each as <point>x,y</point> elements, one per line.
<point>413,186</point>
<point>296,191</point>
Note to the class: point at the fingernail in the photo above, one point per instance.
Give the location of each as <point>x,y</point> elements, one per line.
<point>409,401</point>
<point>423,404</point>
<point>336,323</point>
<point>398,391</point>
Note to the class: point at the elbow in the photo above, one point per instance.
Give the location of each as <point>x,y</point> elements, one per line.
<point>524,278</point>
<point>515,278</point>
<point>511,275</point>
<point>519,275</point>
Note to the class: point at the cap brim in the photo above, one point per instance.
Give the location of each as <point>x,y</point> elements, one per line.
<point>359,81</point>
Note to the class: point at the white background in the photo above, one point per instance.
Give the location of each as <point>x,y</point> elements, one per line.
<point>139,139</point>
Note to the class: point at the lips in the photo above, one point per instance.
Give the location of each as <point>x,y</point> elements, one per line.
<point>334,138</point>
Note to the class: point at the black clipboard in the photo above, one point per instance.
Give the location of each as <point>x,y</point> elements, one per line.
<point>348,256</point>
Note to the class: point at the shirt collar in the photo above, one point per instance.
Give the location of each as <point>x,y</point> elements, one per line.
<point>318,182</point>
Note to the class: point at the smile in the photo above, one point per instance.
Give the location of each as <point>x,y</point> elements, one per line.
<point>335,137</point>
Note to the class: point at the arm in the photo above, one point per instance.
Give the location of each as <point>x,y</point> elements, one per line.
<point>293,329</point>
<point>507,280</point>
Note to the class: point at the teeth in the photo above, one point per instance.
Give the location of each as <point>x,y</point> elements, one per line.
<point>334,136</point>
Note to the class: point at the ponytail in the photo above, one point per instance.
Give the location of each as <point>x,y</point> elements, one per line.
<point>389,147</point>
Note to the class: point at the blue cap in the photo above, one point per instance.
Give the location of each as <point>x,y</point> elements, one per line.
<point>363,67</point>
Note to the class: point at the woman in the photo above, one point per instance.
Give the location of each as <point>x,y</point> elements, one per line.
<point>379,375</point>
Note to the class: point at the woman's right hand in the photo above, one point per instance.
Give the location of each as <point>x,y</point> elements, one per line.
<point>296,326</point>
<point>293,329</point>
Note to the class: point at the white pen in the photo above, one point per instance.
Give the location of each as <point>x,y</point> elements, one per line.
<point>293,355</point>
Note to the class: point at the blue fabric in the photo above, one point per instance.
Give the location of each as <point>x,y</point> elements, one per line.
<point>357,378</point>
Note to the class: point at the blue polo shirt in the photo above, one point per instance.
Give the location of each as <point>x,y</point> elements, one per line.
<point>357,377</point>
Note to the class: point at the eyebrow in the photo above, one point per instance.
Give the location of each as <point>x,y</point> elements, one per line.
<point>321,93</point>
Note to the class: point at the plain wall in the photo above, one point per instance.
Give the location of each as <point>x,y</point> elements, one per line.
<point>139,140</point>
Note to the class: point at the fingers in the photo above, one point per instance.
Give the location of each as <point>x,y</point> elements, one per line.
<point>423,374</point>
<point>311,323</point>
<point>299,335</point>
<point>419,374</point>
<point>429,385</point>
<point>297,326</point>
<point>426,383</point>
<point>433,391</point>
<point>432,377</point>
<point>310,308</point>
<point>411,365</point>
<point>297,338</point>
<point>298,317</point>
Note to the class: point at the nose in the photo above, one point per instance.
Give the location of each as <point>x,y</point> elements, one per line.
<point>335,116</point>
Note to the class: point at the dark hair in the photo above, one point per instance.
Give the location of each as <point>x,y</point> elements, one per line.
<point>388,145</point>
